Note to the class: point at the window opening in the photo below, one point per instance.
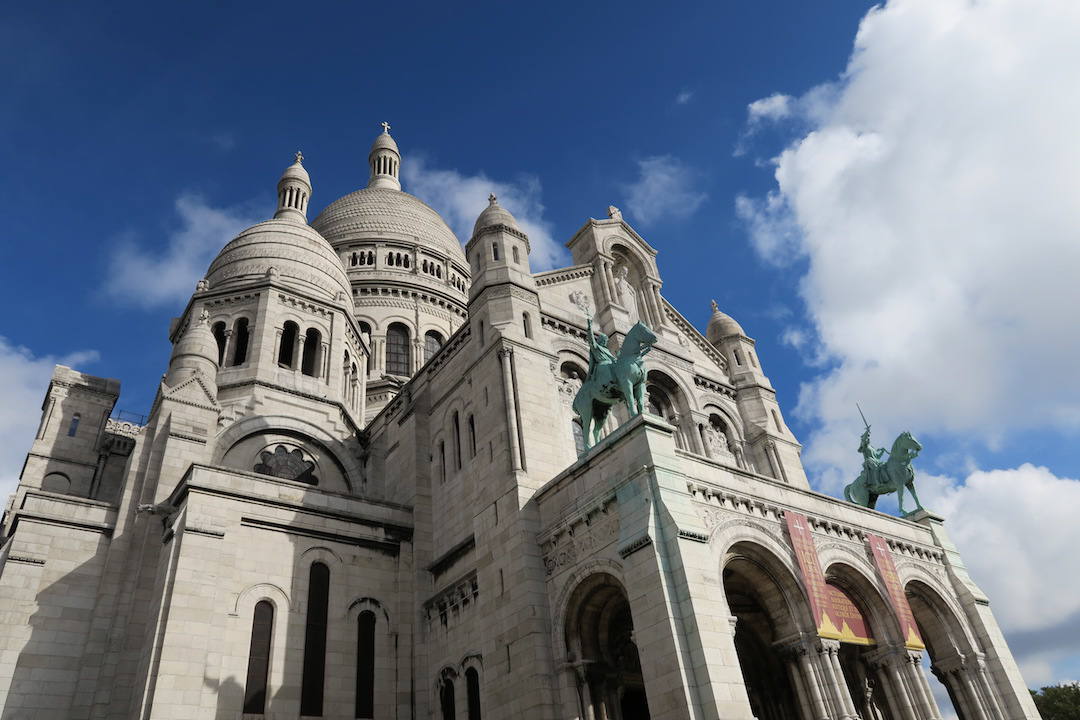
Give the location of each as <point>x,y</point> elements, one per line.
<point>258,668</point>
<point>241,336</point>
<point>309,364</point>
<point>314,672</point>
<point>397,349</point>
<point>288,344</point>
<point>365,665</point>
<point>74,426</point>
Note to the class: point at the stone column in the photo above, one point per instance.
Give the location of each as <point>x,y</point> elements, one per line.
<point>609,279</point>
<point>836,687</point>
<point>920,689</point>
<point>797,658</point>
<point>887,665</point>
<point>298,351</point>
<point>659,301</point>
<point>505,358</point>
<point>227,351</point>
<point>276,350</point>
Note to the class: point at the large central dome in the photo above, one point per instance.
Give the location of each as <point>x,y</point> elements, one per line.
<point>386,213</point>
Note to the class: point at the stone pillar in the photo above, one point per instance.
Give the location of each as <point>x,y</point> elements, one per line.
<point>922,696</point>
<point>888,666</point>
<point>661,318</point>
<point>226,353</point>
<point>833,675</point>
<point>609,280</point>
<point>797,658</point>
<point>298,351</point>
<point>505,358</point>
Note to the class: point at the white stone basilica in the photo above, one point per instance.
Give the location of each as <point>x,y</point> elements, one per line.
<point>361,493</point>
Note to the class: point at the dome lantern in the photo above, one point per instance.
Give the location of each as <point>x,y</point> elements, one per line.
<point>722,325</point>
<point>294,192</point>
<point>384,161</point>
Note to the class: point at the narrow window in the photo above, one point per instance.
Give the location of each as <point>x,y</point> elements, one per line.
<point>354,259</point>
<point>432,342</point>
<point>389,258</point>
<point>288,344</point>
<point>472,437</point>
<point>371,258</point>
<point>472,692</point>
<point>527,323</point>
<point>438,272</point>
<point>406,261</point>
<point>309,364</point>
<point>446,699</point>
<point>442,461</point>
<point>74,426</point>
<point>365,329</point>
<point>738,357</point>
<point>457,442</point>
<point>397,349</point>
<point>517,258</point>
<point>219,335</point>
<point>241,337</point>
<point>494,251</point>
<point>259,658</point>
<point>365,665</point>
<point>311,684</point>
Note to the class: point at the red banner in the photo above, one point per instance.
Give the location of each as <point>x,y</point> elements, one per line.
<point>835,615</point>
<point>883,560</point>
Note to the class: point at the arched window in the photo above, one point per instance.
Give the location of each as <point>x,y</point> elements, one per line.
<point>494,251</point>
<point>457,441</point>
<point>287,348</point>
<point>517,258</point>
<point>442,461</point>
<point>438,272</point>
<point>389,259</point>
<point>406,260</point>
<point>241,338</point>
<point>74,426</point>
<point>365,329</point>
<point>353,260</point>
<point>472,692</point>
<point>309,365</point>
<point>579,437</point>
<point>446,699</point>
<point>662,391</point>
<point>219,334</point>
<point>432,342</point>
<point>371,258</point>
<point>397,349</point>
<point>527,323</point>
<point>314,673</point>
<point>472,437</point>
<point>262,627</point>
<point>365,665</point>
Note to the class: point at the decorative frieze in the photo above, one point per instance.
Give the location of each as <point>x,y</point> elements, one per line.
<point>581,535</point>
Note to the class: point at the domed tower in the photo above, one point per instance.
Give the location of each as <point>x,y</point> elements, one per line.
<point>280,311</point>
<point>774,447</point>
<point>408,276</point>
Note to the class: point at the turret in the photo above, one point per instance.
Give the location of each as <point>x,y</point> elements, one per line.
<point>498,255</point>
<point>384,161</point>
<point>196,352</point>
<point>294,192</point>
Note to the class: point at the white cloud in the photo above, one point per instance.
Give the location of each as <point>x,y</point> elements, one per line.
<point>933,201</point>
<point>167,274</point>
<point>684,97</point>
<point>460,198</point>
<point>775,107</point>
<point>23,381</point>
<point>665,187</point>
<point>1017,532</point>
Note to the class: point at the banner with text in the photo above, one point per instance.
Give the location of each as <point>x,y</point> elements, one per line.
<point>835,615</point>
<point>885,566</point>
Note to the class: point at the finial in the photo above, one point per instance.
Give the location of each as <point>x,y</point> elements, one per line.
<point>614,213</point>
<point>299,157</point>
<point>492,200</point>
<point>385,127</point>
<point>715,307</point>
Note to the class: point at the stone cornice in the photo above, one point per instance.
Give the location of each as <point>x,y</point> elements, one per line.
<point>555,277</point>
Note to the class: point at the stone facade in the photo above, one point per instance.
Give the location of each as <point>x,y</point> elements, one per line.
<point>360,493</point>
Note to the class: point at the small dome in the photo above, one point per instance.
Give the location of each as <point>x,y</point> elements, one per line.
<point>297,254</point>
<point>494,214</point>
<point>721,325</point>
<point>195,350</point>
<point>384,142</point>
<point>296,171</point>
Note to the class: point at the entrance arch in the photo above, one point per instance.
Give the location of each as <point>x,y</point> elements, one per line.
<point>763,597</point>
<point>600,642</point>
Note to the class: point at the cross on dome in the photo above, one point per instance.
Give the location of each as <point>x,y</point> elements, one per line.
<point>492,200</point>
<point>385,127</point>
<point>299,157</point>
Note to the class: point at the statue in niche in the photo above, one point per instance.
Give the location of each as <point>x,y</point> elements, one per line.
<point>626,292</point>
<point>718,441</point>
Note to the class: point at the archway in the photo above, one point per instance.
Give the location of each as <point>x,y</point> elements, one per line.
<point>665,399</point>
<point>763,616</point>
<point>600,640</point>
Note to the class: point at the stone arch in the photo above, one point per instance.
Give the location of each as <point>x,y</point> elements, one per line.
<point>339,458</point>
<point>235,661</point>
<point>761,564</point>
<point>373,695</point>
<point>857,578</point>
<point>668,398</point>
<point>583,571</point>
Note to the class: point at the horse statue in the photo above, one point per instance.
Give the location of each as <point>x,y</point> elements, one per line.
<point>889,476</point>
<point>612,379</point>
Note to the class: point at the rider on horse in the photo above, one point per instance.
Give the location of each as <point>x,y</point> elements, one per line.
<point>872,461</point>
<point>598,351</point>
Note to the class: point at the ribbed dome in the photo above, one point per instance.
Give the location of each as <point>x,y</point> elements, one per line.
<point>299,256</point>
<point>296,171</point>
<point>494,214</point>
<point>721,325</point>
<point>195,350</point>
<point>387,213</point>
<point>385,141</point>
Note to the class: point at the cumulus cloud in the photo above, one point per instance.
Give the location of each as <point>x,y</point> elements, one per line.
<point>774,107</point>
<point>460,198</point>
<point>24,378</point>
<point>684,97</point>
<point>665,188</point>
<point>933,202</point>
<point>154,274</point>
<point>1022,519</point>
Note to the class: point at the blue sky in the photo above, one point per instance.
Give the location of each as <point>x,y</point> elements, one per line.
<point>889,211</point>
